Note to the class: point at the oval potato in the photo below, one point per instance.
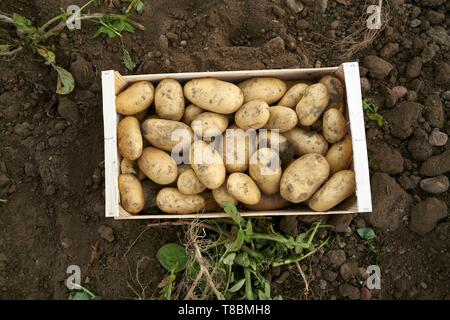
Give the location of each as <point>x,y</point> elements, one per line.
<point>303,177</point>
<point>129,138</point>
<point>190,113</point>
<point>222,196</point>
<point>136,98</point>
<point>313,104</point>
<point>243,188</point>
<point>269,202</point>
<point>209,124</point>
<point>340,154</point>
<point>281,118</point>
<point>188,183</point>
<point>169,100</point>
<point>339,187</point>
<point>132,196</point>
<point>335,90</point>
<point>158,166</point>
<point>293,95</point>
<point>252,115</point>
<point>207,164</point>
<point>305,141</point>
<point>171,200</point>
<point>237,146</point>
<point>334,125</point>
<point>265,170</point>
<point>214,95</point>
<point>269,90</point>
<point>167,134</point>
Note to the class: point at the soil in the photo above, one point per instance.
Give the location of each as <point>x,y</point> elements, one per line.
<point>51,147</point>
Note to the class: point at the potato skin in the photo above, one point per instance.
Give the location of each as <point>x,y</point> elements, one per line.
<point>339,187</point>
<point>214,95</point>
<point>269,202</point>
<point>281,118</point>
<point>265,170</point>
<point>190,113</point>
<point>305,141</point>
<point>313,104</point>
<point>237,148</point>
<point>172,201</point>
<point>158,166</point>
<point>252,115</point>
<point>243,188</point>
<point>129,138</point>
<point>303,177</point>
<point>293,95</point>
<point>335,90</point>
<point>222,196</point>
<point>169,100</point>
<point>207,164</point>
<point>269,90</point>
<point>136,98</point>
<point>159,133</point>
<point>340,155</point>
<point>132,196</point>
<point>334,125</point>
<point>209,124</point>
<point>188,183</point>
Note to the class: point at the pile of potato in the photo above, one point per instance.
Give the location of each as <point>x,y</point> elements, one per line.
<point>294,136</point>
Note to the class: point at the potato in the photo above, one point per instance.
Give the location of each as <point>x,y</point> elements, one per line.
<point>172,201</point>
<point>190,113</point>
<point>274,140</point>
<point>339,187</point>
<point>243,188</point>
<point>132,196</point>
<point>158,166</point>
<point>340,155</point>
<point>222,196</point>
<point>252,115</point>
<point>136,98</point>
<point>130,166</point>
<point>303,177</point>
<point>269,202</point>
<point>265,170</point>
<point>207,164</point>
<point>313,104</point>
<point>281,118</point>
<point>129,138</point>
<point>169,100</point>
<point>269,90</point>
<point>237,146</point>
<point>188,183</point>
<point>167,134</point>
<point>335,90</point>
<point>209,124</point>
<point>293,95</point>
<point>305,141</point>
<point>214,95</point>
<point>334,125</point>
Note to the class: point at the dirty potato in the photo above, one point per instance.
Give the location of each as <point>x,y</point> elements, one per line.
<point>305,141</point>
<point>214,95</point>
<point>252,115</point>
<point>303,177</point>
<point>132,196</point>
<point>167,134</point>
<point>281,118</point>
<point>237,146</point>
<point>129,138</point>
<point>209,124</point>
<point>169,100</point>
<point>171,200</point>
<point>339,187</point>
<point>269,90</point>
<point>265,170</point>
<point>136,98</point>
<point>269,202</point>
<point>293,95</point>
<point>188,183</point>
<point>158,166</point>
<point>207,164</point>
<point>340,155</point>
<point>313,104</point>
<point>334,125</point>
<point>335,90</point>
<point>243,188</point>
<point>190,113</point>
<point>222,196</point>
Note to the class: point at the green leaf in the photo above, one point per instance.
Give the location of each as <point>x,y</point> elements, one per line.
<point>127,60</point>
<point>172,257</point>
<point>105,30</point>
<point>229,259</point>
<point>139,6</point>
<point>48,55</point>
<point>237,286</point>
<point>237,243</point>
<point>66,82</point>
<point>81,295</point>
<point>233,213</point>
<point>366,233</point>
<point>242,259</point>
<point>24,25</point>
<point>248,230</point>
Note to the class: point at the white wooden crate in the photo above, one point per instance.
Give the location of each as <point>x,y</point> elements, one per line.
<point>113,83</point>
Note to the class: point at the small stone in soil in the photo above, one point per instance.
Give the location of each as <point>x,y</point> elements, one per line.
<point>437,138</point>
<point>349,291</point>
<point>329,275</point>
<point>436,165</point>
<point>336,257</point>
<point>435,185</point>
<point>426,214</point>
<point>106,233</point>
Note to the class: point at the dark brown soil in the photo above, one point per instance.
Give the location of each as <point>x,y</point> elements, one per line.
<point>51,148</point>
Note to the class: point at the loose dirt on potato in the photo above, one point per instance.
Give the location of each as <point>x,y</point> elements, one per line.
<point>51,147</point>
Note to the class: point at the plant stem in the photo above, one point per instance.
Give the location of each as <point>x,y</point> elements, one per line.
<point>294,260</point>
<point>6,19</point>
<point>248,284</point>
<point>130,6</point>
<point>50,22</point>
<point>259,236</point>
